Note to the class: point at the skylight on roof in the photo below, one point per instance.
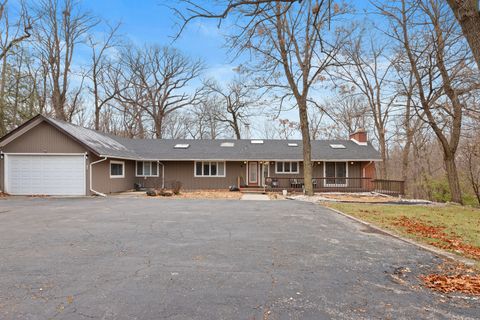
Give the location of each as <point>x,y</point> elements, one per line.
<point>181,146</point>
<point>337,146</point>
<point>227,144</point>
<point>256,141</point>
<point>293,144</point>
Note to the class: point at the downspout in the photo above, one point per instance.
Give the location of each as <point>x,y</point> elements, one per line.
<point>91,181</point>
<point>163,174</point>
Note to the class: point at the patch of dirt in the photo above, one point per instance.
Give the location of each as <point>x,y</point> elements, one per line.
<point>208,194</point>
<point>276,196</point>
<point>448,241</point>
<point>3,195</point>
<point>359,197</point>
<point>451,278</point>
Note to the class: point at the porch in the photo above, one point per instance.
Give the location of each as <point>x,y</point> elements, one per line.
<point>322,184</point>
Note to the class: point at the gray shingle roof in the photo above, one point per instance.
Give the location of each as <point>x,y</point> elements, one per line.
<point>101,143</point>
<point>155,149</point>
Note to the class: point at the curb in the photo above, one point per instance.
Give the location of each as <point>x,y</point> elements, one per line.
<point>432,249</point>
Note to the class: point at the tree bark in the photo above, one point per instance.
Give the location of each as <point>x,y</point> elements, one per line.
<point>307,148</point>
<point>383,153</point>
<point>468,16</point>
<point>453,180</point>
<point>95,95</point>
<point>3,124</point>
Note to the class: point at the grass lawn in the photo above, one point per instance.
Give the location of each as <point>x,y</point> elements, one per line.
<point>450,227</point>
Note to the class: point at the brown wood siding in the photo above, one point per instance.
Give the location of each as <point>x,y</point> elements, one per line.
<point>183,171</point>
<point>43,139</point>
<point>104,184</point>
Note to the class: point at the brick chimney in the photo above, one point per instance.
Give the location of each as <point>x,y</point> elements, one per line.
<point>359,136</point>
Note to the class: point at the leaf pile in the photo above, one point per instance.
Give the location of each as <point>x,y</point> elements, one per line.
<point>453,283</point>
<point>453,277</point>
<point>448,241</point>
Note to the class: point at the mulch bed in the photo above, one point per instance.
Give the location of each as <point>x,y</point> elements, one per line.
<point>447,241</point>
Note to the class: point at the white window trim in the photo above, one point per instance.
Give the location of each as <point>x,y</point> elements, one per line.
<point>292,172</point>
<point>210,176</point>
<point>110,169</point>
<point>146,176</point>
<point>335,184</point>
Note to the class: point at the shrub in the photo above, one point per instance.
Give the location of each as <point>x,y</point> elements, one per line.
<point>176,186</point>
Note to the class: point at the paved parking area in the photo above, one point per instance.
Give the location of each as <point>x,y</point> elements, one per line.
<point>190,259</point>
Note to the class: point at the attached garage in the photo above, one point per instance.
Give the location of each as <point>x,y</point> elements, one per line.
<point>38,174</point>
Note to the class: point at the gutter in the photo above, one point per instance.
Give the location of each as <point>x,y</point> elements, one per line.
<point>90,182</point>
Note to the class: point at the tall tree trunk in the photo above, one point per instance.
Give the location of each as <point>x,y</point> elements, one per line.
<point>383,153</point>
<point>452,174</point>
<point>406,154</point>
<point>3,124</point>
<point>95,95</point>
<point>468,16</point>
<point>307,148</point>
<point>159,127</point>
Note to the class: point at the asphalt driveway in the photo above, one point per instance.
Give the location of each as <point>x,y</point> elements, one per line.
<point>186,259</point>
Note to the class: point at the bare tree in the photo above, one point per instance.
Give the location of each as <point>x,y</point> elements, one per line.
<point>467,13</point>
<point>470,159</point>
<point>202,121</point>
<point>22,29</point>
<point>61,27</point>
<point>290,40</point>
<point>441,72</point>
<point>350,113</point>
<point>315,119</point>
<point>235,102</point>
<point>287,128</point>
<point>102,73</point>
<point>11,36</point>
<point>157,80</point>
<point>369,72</point>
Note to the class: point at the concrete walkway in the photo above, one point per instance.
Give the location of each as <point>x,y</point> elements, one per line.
<point>254,196</point>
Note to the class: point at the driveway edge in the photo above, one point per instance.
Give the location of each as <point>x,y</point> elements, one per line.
<point>432,249</point>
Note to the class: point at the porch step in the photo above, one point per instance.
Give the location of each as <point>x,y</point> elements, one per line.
<point>252,190</point>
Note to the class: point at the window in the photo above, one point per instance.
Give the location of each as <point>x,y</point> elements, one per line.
<point>288,167</point>
<point>181,146</point>
<point>337,146</point>
<point>209,169</point>
<point>117,169</point>
<point>227,144</point>
<point>335,174</point>
<point>147,169</point>
<point>293,144</point>
<point>256,141</point>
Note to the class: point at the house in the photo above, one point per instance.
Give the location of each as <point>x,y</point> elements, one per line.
<point>50,157</point>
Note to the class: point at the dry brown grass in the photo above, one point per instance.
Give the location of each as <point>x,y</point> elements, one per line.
<point>208,194</point>
<point>358,197</point>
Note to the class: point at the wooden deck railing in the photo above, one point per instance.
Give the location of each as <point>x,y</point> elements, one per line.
<point>392,187</point>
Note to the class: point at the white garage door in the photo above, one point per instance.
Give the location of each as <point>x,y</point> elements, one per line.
<point>45,174</point>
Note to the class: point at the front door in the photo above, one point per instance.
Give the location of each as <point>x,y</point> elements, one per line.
<point>253,173</point>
